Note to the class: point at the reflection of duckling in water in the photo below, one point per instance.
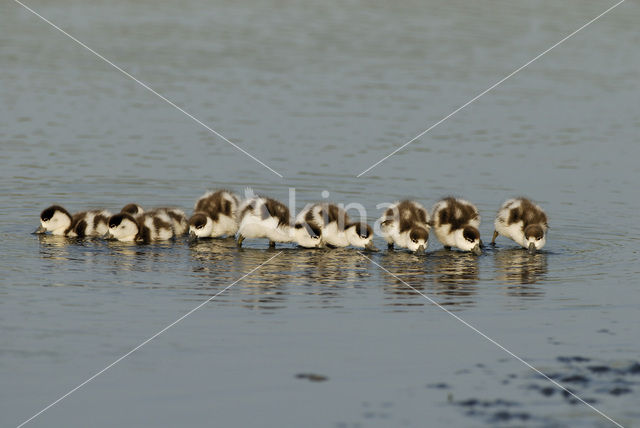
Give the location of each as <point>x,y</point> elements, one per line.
<point>456,274</point>
<point>515,266</point>
<point>212,254</point>
<point>407,267</point>
<point>326,274</point>
<point>268,291</point>
<point>54,247</point>
<point>455,268</point>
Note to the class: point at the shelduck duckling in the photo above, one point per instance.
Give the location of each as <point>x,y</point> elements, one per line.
<point>133,209</point>
<point>406,224</point>
<point>262,217</point>
<point>215,215</point>
<point>178,219</point>
<point>455,223</point>
<point>59,221</point>
<point>522,221</point>
<point>157,225</point>
<point>335,227</point>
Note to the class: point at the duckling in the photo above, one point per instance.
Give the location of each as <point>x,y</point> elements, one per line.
<point>262,217</point>
<point>215,215</point>
<point>59,221</point>
<point>133,209</point>
<point>406,224</point>
<point>157,225</point>
<point>335,227</point>
<point>522,221</point>
<point>456,222</point>
<point>178,219</point>
<point>123,227</point>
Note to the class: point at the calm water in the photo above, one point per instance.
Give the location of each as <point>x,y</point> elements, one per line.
<point>319,91</point>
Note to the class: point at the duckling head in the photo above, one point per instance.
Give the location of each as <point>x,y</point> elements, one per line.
<point>360,235</point>
<point>468,239</point>
<point>418,239</point>
<point>54,219</point>
<point>534,237</point>
<point>133,209</point>
<point>122,227</point>
<point>306,235</point>
<point>200,225</point>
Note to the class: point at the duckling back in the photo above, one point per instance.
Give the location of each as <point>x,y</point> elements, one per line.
<point>156,225</point>
<point>220,202</point>
<point>133,209</point>
<point>176,218</point>
<point>90,223</point>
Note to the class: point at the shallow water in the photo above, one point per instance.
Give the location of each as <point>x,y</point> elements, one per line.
<point>319,92</point>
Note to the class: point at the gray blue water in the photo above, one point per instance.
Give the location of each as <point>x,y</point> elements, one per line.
<point>319,91</point>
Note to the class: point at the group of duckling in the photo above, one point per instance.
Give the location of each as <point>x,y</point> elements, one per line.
<point>221,213</point>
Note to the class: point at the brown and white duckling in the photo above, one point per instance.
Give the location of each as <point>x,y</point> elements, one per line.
<point>214,215</point>
<point>455,223</point>
<point>406,224</point>
<point>158,225</point>
<point>133,209</point>
<point>334,226</point>
<point>59,221</point>
<point>177,217</point>
<point>262,217</point>
<point>523,222</point>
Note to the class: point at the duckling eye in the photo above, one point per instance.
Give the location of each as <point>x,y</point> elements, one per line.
<point>415,241</point>
<point>538,238</point>
<point>199,227</point>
